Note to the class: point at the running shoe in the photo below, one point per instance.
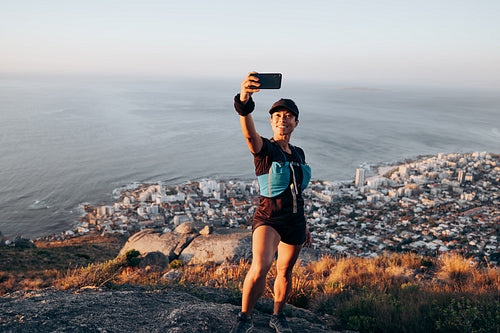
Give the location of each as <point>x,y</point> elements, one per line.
<point>243,324</point>
<point>279,323</point>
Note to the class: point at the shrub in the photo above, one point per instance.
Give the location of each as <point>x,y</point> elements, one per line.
<point>174,264</point>
<point>467,315</point>
<point>131,257</point>
<point>100,274</point>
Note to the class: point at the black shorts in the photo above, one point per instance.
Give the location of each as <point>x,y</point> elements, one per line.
<point>292,234</point>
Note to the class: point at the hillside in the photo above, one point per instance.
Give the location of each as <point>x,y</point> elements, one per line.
<point>45,290</point>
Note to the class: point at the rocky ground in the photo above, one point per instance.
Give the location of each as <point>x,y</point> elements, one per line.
<point>134,309</point>
<point>138,309</point>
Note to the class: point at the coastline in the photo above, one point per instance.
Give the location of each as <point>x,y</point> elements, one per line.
<point>434,205</point>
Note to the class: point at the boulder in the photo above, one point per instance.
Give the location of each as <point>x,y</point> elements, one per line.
<point>155,261</point>
<point>207,230</point>
<point>2,239</point>
<point>218,248</point>
<point>184,241</point>
<point>186,228</point>
<point>170,244</point>
<point>172,275</point>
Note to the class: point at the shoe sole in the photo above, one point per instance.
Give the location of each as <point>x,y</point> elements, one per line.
<point>276,329</point>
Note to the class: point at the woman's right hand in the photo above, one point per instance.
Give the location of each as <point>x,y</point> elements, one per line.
<point>246,90</point>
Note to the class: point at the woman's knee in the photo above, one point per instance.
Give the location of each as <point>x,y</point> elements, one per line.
<point>284,272</point>
<point>258,272</point>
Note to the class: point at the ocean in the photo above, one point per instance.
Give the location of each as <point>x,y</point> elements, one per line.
<point>66,141</point>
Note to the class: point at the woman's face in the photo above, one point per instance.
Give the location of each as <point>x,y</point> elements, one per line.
<point>283,122</point>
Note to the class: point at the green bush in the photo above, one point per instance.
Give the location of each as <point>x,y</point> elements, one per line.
<point>362,323</point>
<point>132,258</point>
<point>174,264</point>
<point>468,315</point>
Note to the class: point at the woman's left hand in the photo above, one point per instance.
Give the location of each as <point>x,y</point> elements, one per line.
<point>307,242</point>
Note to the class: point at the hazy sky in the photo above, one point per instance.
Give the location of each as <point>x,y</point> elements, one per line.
<point>438,41</point>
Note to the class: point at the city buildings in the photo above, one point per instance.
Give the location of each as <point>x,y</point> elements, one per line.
<point>360,177</point>
<point>430,206</point>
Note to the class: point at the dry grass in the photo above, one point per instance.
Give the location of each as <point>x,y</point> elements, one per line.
<point>397,293</point>
<point>100,274</point>
<point>34,268</point>
<point>392,293</point>
<point>460,274</point>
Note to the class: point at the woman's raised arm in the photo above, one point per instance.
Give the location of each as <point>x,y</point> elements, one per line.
<point>253,138</point>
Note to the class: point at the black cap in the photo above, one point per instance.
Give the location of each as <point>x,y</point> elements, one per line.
<point>285,103</point>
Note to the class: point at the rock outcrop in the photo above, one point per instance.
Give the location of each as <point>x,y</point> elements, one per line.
<point>136,310</point>
<point>169,244</point>
<point>218,248</point>
<point>192,247</point>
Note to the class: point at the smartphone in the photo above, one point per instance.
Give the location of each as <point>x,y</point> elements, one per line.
<point>268,80</point>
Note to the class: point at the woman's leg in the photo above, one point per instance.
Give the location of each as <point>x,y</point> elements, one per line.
<point>287,256</point>
<point>265,241</point>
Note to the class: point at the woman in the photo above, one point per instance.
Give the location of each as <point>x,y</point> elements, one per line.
<point>279,222</point>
